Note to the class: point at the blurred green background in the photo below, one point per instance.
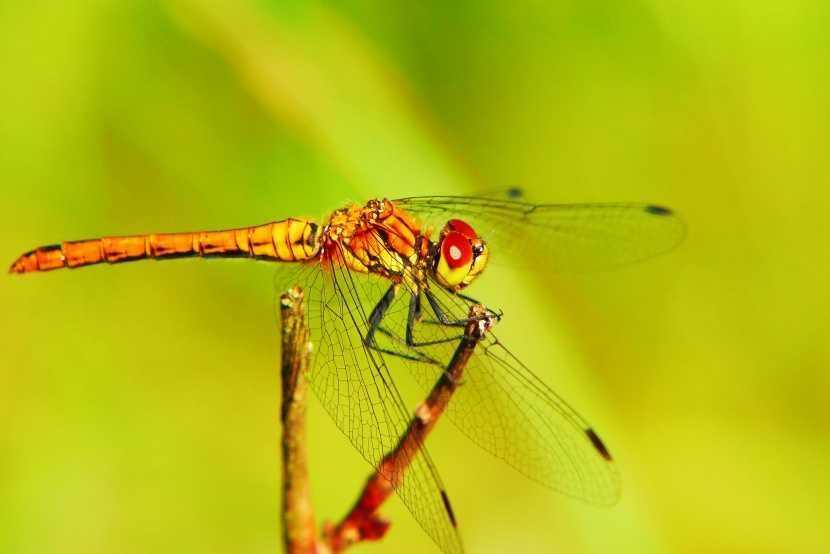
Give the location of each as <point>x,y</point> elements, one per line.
<point>139,403</point>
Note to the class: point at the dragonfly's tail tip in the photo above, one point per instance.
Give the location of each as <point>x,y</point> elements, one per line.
<point>19,266</point>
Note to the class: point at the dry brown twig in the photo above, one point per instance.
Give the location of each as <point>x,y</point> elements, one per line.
<point>297,515</point>
<point>363,522</point>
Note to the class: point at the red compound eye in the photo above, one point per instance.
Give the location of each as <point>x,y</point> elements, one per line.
<point>456,249</point>
<point>462,227</point>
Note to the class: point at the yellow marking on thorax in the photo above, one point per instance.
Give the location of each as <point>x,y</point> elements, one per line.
<point>376,238</point>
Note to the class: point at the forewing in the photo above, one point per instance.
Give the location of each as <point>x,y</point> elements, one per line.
<point>355,387</point>
<point>559,237</point>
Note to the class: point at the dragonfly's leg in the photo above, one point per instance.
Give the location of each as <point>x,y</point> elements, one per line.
<point>439,313</point>
<point>375,327</point>
<point>463,296</point>
<point>496,316</point>
<point>415,314</point>
<point>375,319</point>
<point>377,315</point>
<point>409,345</point>
<point>467,298</point>
<point>416,354</point>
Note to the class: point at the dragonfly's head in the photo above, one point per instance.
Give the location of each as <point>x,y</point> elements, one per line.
<point>460,255</point>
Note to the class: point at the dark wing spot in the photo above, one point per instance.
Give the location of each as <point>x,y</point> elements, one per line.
<point>657,210</point>
<point>597,443</point>
<point>448,507</point>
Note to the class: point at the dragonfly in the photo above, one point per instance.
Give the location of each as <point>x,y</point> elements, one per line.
<point>390,279</point>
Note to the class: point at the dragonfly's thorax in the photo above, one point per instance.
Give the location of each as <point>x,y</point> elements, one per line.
<point>382,238</point>
<point>376,238</point>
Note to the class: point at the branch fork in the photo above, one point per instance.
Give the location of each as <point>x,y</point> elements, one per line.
<point>363,522</point>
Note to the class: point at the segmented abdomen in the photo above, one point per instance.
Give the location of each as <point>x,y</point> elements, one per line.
<point>289,240</point>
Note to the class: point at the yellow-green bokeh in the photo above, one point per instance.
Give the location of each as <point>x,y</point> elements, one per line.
<point>139,403</point>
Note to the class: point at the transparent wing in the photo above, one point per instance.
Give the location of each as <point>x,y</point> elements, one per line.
<point>355,387</point>
<point>499,403</point>
<point>560,237</point>
<point>502,406</point>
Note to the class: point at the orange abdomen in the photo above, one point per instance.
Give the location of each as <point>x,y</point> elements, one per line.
<point>289,240</point>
